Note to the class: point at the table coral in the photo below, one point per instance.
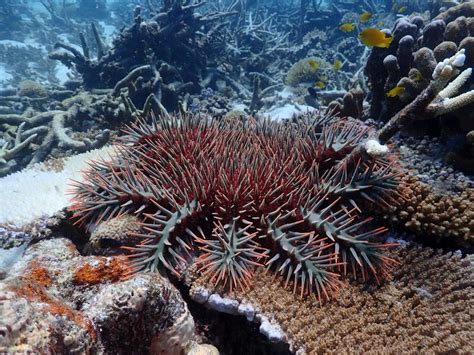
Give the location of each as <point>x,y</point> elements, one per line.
<point>426,307</point>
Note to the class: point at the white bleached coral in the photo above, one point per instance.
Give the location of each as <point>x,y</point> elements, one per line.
<point>446,101</point>
<point>447,66</point>
<point>39,192</point>
<point>455,85</point>
<point>375,149</point>
<point>269,328</point>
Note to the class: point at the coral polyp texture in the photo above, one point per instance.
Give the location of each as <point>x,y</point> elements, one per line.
<point>230,196</point>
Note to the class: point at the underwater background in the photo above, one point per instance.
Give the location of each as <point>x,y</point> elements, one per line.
<point>236,176</point>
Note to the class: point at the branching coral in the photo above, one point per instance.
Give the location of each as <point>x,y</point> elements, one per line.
<point>435,214</point>
<point>445,82</point>
<point>79,122</point>
<point>244,194</point>
<point>51,127</point>
<point>411,61</point>
<point>174,41</point>
<point>18,145</point>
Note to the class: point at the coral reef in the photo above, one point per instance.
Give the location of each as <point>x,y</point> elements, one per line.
<point>169,58</point>
<point>228,181</point>
<point>410,63</point>
<point>425,307</point>
<point>168,40</point>
<point>54,300</point>
<point>41,133</point>
<point>436,97</point>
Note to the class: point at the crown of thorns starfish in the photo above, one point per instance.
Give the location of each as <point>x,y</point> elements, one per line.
<point>232,196</point>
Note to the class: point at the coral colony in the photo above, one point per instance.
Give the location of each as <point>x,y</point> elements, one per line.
<point>240,195</point>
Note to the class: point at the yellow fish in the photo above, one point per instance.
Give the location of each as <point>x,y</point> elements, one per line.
<point>373,37</point>
<point>314,65</point>
<point>402,9</point>
<point>396,91</point>
<point>347,27</point>
<point>337,65</point>
<point>366,16</point>
<point>418,76</point>
<point>320,85</point>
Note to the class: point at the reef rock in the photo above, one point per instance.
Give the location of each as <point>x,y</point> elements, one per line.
<point>54,300</point>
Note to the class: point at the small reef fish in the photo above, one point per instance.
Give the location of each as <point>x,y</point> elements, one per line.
<point>365,17</point>
<point>314,65</point>
<point>320,85</point>
<point>347,27</point>
<point>402,9</point>
<point>337,65</point>
<point>373,37</point>
<point>418,76</point>
<point>396,91</point>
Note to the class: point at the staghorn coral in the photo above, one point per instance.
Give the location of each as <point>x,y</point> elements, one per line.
<point>163,54</point>
<point>426,307</point>
<point>19,144</point>
<point>435,214</point>
<point>245,194</point>
<point>61,122</point>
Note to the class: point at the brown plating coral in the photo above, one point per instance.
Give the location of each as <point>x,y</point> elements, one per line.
<point>426,307</point>
<point>243,194</point>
